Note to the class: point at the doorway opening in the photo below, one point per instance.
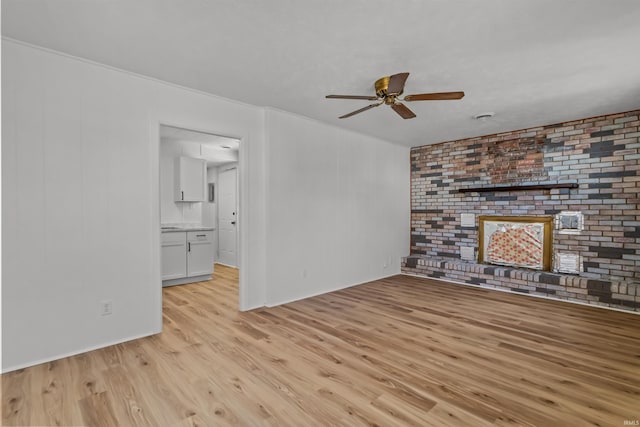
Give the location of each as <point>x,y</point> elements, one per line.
<point>199,204</point>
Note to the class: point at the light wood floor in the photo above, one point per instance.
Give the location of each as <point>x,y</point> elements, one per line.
<point>399,351</point>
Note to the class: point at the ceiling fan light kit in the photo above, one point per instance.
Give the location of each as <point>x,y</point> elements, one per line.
<point>388,91</point>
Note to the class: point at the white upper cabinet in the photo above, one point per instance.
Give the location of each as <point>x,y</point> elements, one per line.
<point>190,179</point>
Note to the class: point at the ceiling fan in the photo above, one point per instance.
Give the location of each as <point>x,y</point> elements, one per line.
<point>388,91</point>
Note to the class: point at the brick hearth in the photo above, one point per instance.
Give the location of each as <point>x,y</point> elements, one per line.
<point>567,287</point>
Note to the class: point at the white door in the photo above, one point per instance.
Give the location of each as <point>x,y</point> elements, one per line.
<point>228,217</point>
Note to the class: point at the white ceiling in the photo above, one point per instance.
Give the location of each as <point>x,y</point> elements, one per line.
<point>532,62</point>
<point>215,149</point>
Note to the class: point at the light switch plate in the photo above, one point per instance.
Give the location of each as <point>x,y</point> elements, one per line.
<point>467,220</point>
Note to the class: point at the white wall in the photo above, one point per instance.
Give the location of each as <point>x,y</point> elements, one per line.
<point>210,209</point>
<point>81,202</point>
<point>338,208</point>
<point>80,199</point>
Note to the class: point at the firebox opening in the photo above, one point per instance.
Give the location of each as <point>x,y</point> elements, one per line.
<point>516,241</point>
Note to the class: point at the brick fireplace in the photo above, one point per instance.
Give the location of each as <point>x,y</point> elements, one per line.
<point>597,163</point>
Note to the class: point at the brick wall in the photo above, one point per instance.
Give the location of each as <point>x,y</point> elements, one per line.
<point>601,154</point>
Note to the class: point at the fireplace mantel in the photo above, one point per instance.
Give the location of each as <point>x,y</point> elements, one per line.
<point>518,188</point>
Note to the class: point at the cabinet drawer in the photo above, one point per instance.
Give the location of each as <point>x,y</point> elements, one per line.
<point>200,236</point>
<point>174,238</point>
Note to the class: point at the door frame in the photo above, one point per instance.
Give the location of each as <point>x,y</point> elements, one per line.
<point>237,209</point>
<point>242,201</point>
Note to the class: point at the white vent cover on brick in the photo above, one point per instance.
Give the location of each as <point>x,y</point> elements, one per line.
<point>467,220</point>
<point>467,253</point>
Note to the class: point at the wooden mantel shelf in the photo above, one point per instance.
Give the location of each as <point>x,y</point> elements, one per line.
<point>517,188</point>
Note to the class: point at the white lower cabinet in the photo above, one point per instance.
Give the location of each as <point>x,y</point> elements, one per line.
<point>174,261</point>
<point>199,253</point>
<point>187,256</point>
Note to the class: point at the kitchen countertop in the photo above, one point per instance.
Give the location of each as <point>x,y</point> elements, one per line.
<point>174,229</point>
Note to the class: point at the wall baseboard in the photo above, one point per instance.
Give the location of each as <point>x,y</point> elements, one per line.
<point>338,288</point>
<point>73,353</point>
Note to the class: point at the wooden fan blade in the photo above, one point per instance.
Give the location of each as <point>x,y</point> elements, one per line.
<point>403,111</point>
<point>442,96</point>
<point>396,83</point>
<point>353,113</point>
<point>367,97</point>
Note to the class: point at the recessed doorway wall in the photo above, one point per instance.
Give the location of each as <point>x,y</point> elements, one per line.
<point>217,155</point>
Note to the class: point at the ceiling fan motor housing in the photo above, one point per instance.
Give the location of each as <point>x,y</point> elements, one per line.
<point>382,86</point>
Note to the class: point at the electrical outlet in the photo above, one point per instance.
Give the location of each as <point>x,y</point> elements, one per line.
<point>106,307</point>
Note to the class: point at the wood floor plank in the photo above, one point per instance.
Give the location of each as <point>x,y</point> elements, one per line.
<point>401,351</point>
<point>97,410</point>
<point>57,398</point>
<point>17,397</point>
<point>128,401</point>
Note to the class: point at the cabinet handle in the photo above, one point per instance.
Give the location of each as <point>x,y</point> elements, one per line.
<point>182,195</point>
<point>201,235</point>
<point>189,250</point>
